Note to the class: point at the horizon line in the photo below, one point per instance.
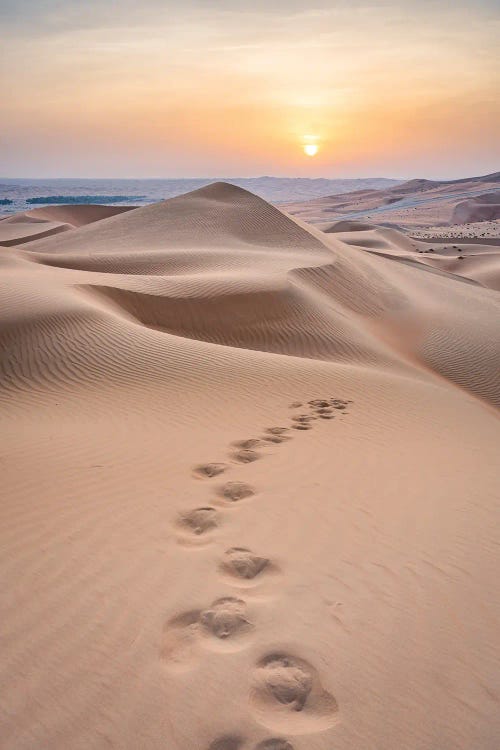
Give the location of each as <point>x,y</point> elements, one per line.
<point>253,177</point>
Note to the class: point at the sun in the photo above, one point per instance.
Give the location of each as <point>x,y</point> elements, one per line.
<point>310,144</point>
<point>310,149</point>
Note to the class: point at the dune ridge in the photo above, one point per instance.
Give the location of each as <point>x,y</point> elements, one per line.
<point>250,483</point>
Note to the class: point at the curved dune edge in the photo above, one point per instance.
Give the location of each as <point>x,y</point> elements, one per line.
<point>478,262</point>
<point>249,485</point>
<point>40,223</point>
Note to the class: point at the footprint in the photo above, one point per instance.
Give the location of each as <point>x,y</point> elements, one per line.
<point>246,456</point>
<point>286,681</point>
<point>224,621</point>
<point>228,742</point>
<point>207,471</point>
<point>236,741</point>
<point>295,405</point>
<point>226,618</point>
<point>276,439</point>
<point>248,444</point>
<point>287,695</point>
<point>304,418</point>
<point>198,522</point>
<point>327,416</point>
<point>235,491</point>
<point>241,563</point>
<point>319,402</point>
<point>302,426</point>
<point>339,402</point>
<point>324,410</point>
<point>277,430</point>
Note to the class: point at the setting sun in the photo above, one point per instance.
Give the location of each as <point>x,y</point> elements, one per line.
<point>311,149</point>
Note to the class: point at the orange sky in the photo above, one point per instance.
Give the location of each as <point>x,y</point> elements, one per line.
<point>159,89</point>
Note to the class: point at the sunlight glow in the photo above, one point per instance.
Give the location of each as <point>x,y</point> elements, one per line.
<point>312,89</point>
<point>310,149</point>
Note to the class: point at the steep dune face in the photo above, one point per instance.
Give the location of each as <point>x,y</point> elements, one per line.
<point>441,308</point>
<point>249,472</point>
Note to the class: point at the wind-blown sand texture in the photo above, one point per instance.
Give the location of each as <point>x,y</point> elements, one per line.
<point>250,485</point>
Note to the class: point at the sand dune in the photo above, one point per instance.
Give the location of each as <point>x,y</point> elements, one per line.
<point>44,222</point>
<point>477,261</point>
<point>250,485</point>
<point>412,206</point>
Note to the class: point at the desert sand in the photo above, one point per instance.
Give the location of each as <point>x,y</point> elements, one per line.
<point>250,482</point>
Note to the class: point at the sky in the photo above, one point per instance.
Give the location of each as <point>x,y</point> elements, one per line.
<point>238,88</point>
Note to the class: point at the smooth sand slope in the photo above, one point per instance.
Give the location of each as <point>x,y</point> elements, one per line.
<point>250,486</point>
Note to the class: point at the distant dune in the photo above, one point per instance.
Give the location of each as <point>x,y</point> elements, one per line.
<point>414,205</point>
<point>249,479</point>
<point>480,208</point>
<point>44,222</point>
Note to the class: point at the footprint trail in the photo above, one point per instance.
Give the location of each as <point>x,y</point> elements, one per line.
<point>285,691</point>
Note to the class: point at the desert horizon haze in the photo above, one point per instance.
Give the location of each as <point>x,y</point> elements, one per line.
<point>164,89</point>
